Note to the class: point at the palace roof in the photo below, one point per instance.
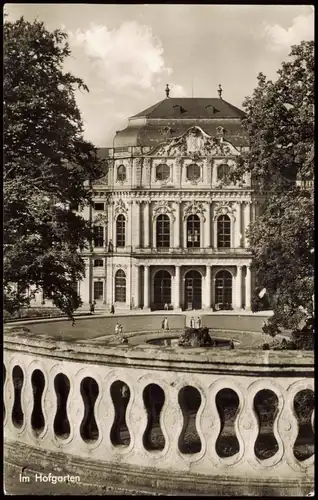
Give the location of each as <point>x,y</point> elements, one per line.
<point>173,116</point>
<point>191,107</point>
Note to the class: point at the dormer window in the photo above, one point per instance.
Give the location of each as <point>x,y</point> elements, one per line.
<point>179,110</point>
<point>211,109</point>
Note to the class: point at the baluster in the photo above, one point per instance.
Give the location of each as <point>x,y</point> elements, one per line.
<point>172,422</point>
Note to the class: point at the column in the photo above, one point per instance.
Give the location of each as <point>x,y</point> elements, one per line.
<point>137,231</point>
<point>185,235</point>
<point>247,220</point>
<point>137,286</point>
<point>238,288</point>
<point>109,283</point>
<point>176,231</point>
<point>104,291</point>
<point>177,289</point>
<point>208,287</point>
<point>248,288</point>
<point>129,225</point>
<point>146,287</point>
<point>202,230</point>
<point>207,227</point>
<point>213,293</point>
<point>146,224</point>
<point>237,240</point>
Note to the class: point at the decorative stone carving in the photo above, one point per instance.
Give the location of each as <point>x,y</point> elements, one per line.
<point>119,266</point>
<point>227,209</point>
<point>195,142</point>
<point>101,219</point>
<point>120,208</point>
<point>163,207</point>
<point>194,208</point>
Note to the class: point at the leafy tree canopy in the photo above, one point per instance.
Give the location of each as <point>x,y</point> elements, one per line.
<point>46,164</point>
<point>280,124</point>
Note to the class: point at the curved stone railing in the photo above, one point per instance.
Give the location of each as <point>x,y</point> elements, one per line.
<point>65,403</point>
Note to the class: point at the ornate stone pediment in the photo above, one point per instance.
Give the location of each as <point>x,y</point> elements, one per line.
<point>163,207</point>
<point>101,219</point>
<point>195,143</point>
<point>120,208</point>
<point>224,210</point>
<point>194,208</point>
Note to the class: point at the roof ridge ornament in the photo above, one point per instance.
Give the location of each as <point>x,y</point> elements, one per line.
<point>220,90</point>
<point>167,90</point>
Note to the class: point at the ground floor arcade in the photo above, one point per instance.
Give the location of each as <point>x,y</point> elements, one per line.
<point>131,285</point>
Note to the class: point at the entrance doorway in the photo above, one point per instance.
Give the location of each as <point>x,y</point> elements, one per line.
<point>162,289</point>
<point>192,291</point>
<point>223,290</point>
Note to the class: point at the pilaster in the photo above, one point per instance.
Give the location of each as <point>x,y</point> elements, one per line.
<point>238,288</point>
<point>146,287</point>
<point>176,304</point>
<point>248,288</point>
<point>208,287</point>
<point>146,225</point>
<point>238,232</point>
<point>207,227</point>
<point>176,232</point>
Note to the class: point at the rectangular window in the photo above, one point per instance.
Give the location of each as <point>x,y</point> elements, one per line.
<point>98,236</point>
<point>99,206</point>
<point>98,263</point>
<point>98,290</point>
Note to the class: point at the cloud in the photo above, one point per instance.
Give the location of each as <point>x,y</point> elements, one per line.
<point>301,29</point>
<point>177,90</point>
<point>127,57</point>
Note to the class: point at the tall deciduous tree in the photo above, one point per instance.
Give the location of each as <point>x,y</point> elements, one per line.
<point>280,124</point>
<point>46,164</point>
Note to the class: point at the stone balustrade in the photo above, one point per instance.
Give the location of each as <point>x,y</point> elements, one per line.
<point>65,403</point>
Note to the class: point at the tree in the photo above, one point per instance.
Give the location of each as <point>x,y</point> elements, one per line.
<point>280,124</point>
<point>46,166</point>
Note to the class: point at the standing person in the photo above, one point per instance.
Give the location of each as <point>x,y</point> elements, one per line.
<point>120,330</point>
<point>92,307</point>
<point>192,324</point>
<point>199,322</point>
<point>166,307</point>
<point>165,324</point>
<point>112,309</point>
<point>117,328</point>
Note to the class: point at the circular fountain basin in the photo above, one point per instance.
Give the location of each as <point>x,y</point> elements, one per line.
<point>174,342</point>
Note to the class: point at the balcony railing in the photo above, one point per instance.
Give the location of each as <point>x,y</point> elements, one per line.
<point>191,251</point>
<point>94,407</point>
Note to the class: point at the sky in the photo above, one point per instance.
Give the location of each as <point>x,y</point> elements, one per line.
<point>126,54</point>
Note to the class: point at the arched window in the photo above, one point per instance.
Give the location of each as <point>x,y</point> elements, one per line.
<point>120,286</point>
<point>224,231</point>
<point>223,172</point>
<point>193,172</point>
<point>121,173</point>
<point>162,289</point>
<point>223,289</point>
<point>162,172</point>
<point>98,263</point>
<point>163,231</point>
<point>120,231</point>
<point>193,231</point>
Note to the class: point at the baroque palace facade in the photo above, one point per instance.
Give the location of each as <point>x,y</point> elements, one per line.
<point>169,228</point>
